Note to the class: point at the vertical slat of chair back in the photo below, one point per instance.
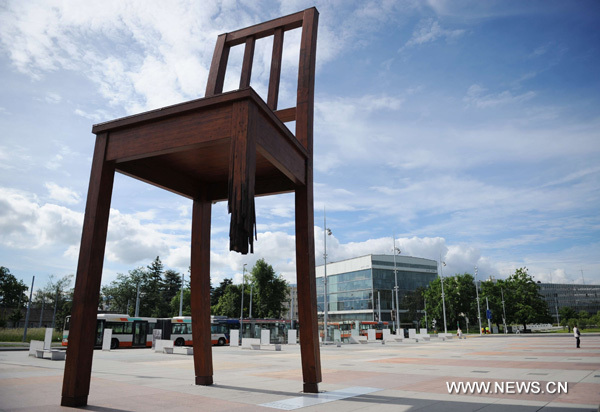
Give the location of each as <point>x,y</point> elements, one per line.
<point>303,112</point>
<point>275,76</point>
<point>218,66</point>
<point>305,98</point>
<point>247,63</point>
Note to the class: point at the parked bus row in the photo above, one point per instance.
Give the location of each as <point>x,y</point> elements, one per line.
<point>134,332</point>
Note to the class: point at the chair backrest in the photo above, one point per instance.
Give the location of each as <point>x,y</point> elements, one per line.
<point>303,112</point>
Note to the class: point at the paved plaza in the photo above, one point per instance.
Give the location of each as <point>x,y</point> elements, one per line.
<point>365,377</point>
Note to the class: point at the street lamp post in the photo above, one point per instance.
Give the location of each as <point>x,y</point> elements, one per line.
<point>242,308</point>
<point>503,310</point>
<point>425,309</point>
<point>181,296</point>
<point>326,232</point>
<point>28,309</point>
<point>137,301</point>
<point>487,303</point>
<point>394,251</point>
<point>478,308</point>
<point>251,290</point>
<point>442,264</point>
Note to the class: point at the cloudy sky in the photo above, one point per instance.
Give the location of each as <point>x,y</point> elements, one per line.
<point>469,130</point>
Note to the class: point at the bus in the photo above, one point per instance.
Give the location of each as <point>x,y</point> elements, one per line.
<point>346,327</point>
<point>127,331</point>
<point>179,330</point>
<point>365,325</point>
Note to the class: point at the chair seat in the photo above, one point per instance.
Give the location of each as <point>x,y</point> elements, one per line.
<point>187,146</point>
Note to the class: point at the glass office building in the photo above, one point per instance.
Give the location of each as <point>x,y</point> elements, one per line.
<point>355,286</point>
<point>577,297</point>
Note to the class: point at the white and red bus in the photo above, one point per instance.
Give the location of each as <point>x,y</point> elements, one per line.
<point>127,331</point>
<point>179,330</point>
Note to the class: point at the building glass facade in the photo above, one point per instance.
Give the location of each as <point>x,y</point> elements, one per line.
<point>355,286</point>
<point>577,297</point>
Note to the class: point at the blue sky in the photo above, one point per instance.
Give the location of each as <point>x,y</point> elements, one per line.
<point>469,130</point>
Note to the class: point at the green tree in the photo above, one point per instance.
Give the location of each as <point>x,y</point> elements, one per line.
<point>186,309</point>
<point>12,291</point>
<point>12,297</point>
<point>56,293</point>
<point>120,294</point>
<point>491,295</point>
<point>152,287</point>
<point>217,292</point>
<point>459,293</point>
<point>413,302</point>
<point>171,287</point>
<point>269,291</point>
<point>523,301</point>
<point>230,302</point>
<point>566,313</point>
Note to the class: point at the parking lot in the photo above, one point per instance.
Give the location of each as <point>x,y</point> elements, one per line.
<point>547,370</point>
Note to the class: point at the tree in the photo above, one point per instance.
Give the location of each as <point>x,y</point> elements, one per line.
<point>12,291</point>
<point>56,293</point>
<point>567,313</point>
<point>120,294</point>
<point>219,291</point>
<point>171,287</point>
<point>459,293</point>
<point>186,309</point>
<point>12,296</point>
<point>152,286</point>
<point>523,301</point>
<point>230,302</point>
<point>269,291</point>
<point>413,303</point>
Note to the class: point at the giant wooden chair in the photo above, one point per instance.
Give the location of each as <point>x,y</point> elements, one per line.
<point>224,146</point>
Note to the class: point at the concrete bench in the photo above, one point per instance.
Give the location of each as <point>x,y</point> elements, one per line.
<point>161,344</point>
<point>251,343</point>
<point>181,350</point>
<point>34,346</point>
<point>358,339</point>
<point>423,337</point>
<point>55,354</point>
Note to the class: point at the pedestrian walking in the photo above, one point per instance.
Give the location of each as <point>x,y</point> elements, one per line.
<point>577,334</point>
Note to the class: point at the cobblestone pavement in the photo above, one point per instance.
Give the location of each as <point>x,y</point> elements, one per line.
<point>522,373</point>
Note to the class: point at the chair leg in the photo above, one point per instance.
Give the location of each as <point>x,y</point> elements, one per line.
<point>82,332</point>
<point>200,291</point>
<point>307,291</point>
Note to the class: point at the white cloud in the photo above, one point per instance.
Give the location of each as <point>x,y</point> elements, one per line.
<point>476,96</point>
<point>62,194</point>
<point>429,31</point>
<point>25,223</point>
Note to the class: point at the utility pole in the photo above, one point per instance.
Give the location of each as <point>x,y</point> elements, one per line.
<point>251,290</point>
<point>181,295</point>
<point>42,311</point>
<point>55,305</point>
<point>478,308</point>
<point>394,250</point>
<point>378,306</point>
<point>137,301</point>
<point>326,232</point>
<point>487,303</point>
<point>426,324</point>
<point>503,310</point>
<point>242,309</point>
<point>28,309</point>
<point>443,296</point>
